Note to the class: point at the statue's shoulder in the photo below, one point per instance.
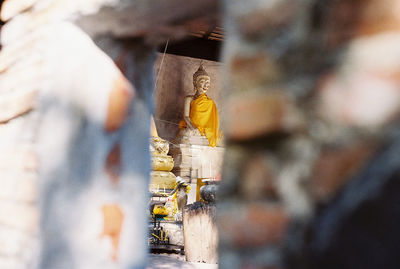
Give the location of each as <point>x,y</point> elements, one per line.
<point>189,97</point>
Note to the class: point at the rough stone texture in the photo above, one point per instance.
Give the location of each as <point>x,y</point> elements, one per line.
<point>18,194</point>
<point>16,104</point>
<point>370,79</point>
<point>259,179</point>
<point>262,16</point>
<point>19,216</point>
<point>359,227</point>
<point>252,224</point>
<point>200,233</point>
<point>57,105</point>
<point>253,71</point>
<point>337,166</point>
<point>333,65</point>
<point>75,177</point>
<point>253,114</point>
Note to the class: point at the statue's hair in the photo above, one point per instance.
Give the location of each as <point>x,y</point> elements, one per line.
<point>198,73</point>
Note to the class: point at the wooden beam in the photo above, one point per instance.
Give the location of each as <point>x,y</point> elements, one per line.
<point>154,21</point>
<point>143,18</point>
<point>196,48</point>
<point>209,31</point>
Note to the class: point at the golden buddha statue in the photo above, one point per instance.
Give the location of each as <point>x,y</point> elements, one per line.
<point>162,164</point>
<point>200,112</point>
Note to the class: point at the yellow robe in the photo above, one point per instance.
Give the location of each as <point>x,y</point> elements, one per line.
<point>204,116</point>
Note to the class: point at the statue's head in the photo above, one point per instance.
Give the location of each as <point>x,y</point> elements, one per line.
<point>201,80</point>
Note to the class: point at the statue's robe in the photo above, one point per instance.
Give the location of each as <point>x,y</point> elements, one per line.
<point>204,116</point>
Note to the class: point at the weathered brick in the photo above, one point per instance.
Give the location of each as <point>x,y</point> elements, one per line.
<point>253,71</point>
<point>23,217</point>
<point>352,99</point>
<point>251,224</point>
<point>265,15</point>
<point>11,241</point>
<point>27,190</point>
<point>346,20</point>
<point>18,158</point>
<point>379,16</point>
<point>335,167</point>
<point>340,21</point>
<point>17,103</point>
<point>18,133</point>
<point>250,265</point>
<point>234,258</point>
<point>18,186</point>
<point>257,179</point>
<point>234,159</point>
<point>260,113</point>
<point>10,263</point>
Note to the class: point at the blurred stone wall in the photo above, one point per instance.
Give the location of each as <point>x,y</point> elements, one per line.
<point>19,216</point>
<point>18,192</point>
<point>74,141</point>
<point>312,129</point>
<point>74,122</point>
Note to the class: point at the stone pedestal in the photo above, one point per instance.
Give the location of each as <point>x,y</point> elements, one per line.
<point>196,161</point>
<point>200,233</point>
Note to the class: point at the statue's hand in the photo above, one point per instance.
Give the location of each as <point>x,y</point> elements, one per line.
<point>191,127</point>
<point>189,124</point>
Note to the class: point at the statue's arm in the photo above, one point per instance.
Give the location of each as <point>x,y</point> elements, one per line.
<point>186,111</point>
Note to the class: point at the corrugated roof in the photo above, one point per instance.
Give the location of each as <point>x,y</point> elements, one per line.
<point>212,33</point>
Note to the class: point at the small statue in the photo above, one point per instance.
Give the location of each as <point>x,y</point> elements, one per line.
<point>162,164</point>
<point>200,112</point>
<point>181,196</point>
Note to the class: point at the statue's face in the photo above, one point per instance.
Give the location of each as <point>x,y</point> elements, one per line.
<point>203,84</point>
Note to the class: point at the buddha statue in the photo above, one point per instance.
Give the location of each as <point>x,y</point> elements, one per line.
<point>200,115</point>
<point>162,164</point>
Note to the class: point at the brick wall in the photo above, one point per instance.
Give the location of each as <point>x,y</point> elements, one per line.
<point>83,114</point>
<point>19,216</point>
<point>73,142</point>
<point>18,194</point>
<point>313,104</point>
